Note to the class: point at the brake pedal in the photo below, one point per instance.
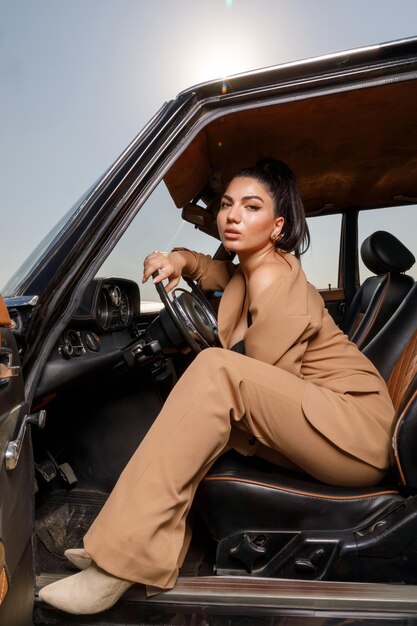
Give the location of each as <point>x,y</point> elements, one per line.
<point>64,470</point>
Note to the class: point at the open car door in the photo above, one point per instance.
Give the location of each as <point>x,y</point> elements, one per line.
<point>16,486</point>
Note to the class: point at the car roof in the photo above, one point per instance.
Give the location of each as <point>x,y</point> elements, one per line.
<point>346,128</point>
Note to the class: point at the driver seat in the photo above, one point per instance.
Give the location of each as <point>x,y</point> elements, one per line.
<point>273,522</point>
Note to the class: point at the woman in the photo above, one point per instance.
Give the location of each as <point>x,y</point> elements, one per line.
<point>288,377</point>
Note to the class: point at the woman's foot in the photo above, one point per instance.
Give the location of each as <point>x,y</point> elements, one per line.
<point>78,557</point>
<point>90,591</point>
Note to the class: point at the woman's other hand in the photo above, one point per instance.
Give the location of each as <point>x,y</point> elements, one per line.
<point>169,264</point>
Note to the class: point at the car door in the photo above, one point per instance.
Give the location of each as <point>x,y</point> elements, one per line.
<point>16,486</point>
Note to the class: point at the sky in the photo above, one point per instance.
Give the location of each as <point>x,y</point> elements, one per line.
<point>80,78</point>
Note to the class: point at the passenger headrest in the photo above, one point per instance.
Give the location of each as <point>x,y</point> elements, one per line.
<point>382,252</point>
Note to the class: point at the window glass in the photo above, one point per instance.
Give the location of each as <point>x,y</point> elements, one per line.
<point>157,226</point>
<point>321,261</point>
<point>401,221</point>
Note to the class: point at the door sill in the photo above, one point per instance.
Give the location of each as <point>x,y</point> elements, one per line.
<point>269,593</point>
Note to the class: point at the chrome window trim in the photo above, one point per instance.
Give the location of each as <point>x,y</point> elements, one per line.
<point>19,301</point>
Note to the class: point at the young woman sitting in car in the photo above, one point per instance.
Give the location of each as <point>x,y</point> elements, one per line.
<point>285,375</point>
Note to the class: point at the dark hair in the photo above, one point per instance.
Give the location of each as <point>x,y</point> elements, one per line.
<point>281,184</point>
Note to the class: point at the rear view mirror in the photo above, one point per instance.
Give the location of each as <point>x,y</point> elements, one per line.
<point>202,219</point>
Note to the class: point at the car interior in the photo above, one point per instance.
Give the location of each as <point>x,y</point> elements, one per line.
<point>117,360</point>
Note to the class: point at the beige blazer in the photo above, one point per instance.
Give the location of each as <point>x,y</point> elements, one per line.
<point>345,399</point>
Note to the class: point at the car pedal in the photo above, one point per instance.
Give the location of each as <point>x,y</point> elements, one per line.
<point>67,474</point>
<point>46,469</point>
<point>64,470</point>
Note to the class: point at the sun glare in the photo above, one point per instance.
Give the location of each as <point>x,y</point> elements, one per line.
<point>222,62</point>
<point>224,48</point>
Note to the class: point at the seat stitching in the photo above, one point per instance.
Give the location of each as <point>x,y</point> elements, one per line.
<point>395,375</point>
<point>395,438</point>
<point>409,370</point>
<point>408,365</point>
<point>357,322</point>
<point>301,493</point>
<point>402,371</point>
<point>372,320</point>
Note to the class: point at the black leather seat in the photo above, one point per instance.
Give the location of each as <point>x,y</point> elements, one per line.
<point>379,296</point>
<point>271,522</point>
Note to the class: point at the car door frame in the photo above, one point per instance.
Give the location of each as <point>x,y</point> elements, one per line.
<point>337,300</point>
<point>16,486</point>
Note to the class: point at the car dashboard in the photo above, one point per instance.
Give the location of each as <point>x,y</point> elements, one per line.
<point>107,320</point>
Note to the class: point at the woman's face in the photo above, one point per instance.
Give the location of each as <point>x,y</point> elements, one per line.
<point>246,219</point>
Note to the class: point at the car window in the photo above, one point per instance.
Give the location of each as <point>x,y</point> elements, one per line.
<point>157,226</point>
<point>400,221</point>
<point>321,261</point>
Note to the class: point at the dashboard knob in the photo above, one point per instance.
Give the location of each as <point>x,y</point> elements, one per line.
<point>92,341</point>
<point>66,350</point>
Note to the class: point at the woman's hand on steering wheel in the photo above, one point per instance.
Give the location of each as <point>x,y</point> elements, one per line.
<point>169,266</point>
<point>190,312</point>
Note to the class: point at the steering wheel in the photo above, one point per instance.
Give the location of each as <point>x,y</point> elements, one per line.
<point>191,314</point>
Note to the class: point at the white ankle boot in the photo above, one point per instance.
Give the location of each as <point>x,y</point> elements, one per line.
<point>89,591</point>
<point>78,557</point>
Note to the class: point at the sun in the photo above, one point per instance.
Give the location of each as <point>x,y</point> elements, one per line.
<point>222,63</point>
<point>217,61</point>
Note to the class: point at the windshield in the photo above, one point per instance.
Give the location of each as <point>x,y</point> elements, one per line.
<point>43,247</point>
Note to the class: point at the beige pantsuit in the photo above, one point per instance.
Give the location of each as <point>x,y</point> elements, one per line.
<point>307,395</point>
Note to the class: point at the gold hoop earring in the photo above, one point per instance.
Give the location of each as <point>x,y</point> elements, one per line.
<point>276,237</point>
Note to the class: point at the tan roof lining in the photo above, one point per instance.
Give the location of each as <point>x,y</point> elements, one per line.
<point>353,148</point>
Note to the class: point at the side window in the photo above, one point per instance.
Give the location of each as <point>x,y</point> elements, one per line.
<point>321,261</point>
<point>401,221</point>
<point>157,226</point>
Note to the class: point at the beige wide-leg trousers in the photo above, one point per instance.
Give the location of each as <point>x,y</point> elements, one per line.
<point>140,534</point>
